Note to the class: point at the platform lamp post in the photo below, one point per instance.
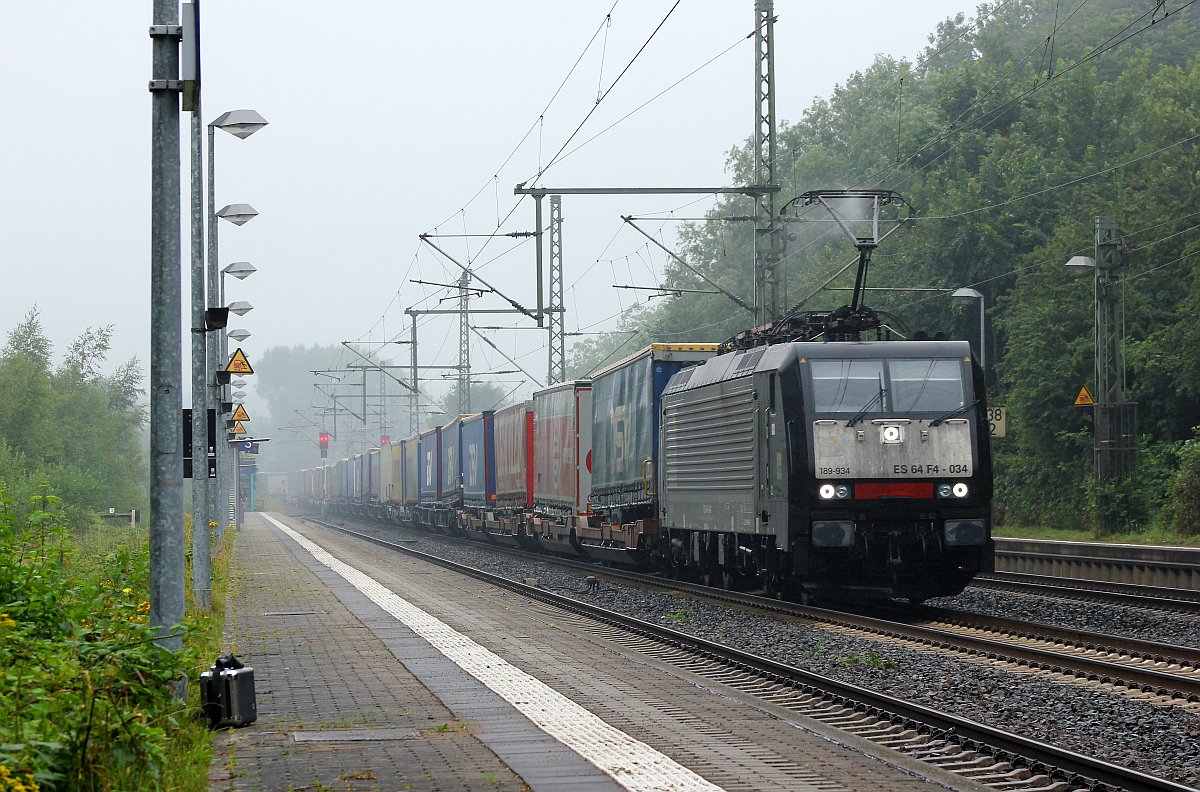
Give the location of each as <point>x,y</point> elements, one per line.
<point>965,295</point>
<point>1115,419</point>
<point>240,308</point>
<point>241,124</point>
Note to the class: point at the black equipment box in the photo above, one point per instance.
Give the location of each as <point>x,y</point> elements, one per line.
<point>227,693</point>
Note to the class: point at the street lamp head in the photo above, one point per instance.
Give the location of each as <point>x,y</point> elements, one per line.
<point>241,307</point>
<point>240,123</point>
<point>965,294</point>
<point>240,269</point>
<point>238,214</point>
<point>1082,264</point>
<point>239,334</point>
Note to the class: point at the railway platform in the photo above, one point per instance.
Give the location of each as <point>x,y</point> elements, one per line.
<point>371,675</point>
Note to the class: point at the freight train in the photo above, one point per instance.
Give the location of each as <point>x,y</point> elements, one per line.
<point>804,469</point>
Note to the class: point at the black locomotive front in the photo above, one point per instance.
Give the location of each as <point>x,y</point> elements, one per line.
<point>894,497</point>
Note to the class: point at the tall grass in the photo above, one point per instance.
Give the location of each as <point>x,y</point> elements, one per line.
<point>86,695</point>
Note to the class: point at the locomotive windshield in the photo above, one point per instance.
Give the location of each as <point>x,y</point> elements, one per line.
<point>906,385</point>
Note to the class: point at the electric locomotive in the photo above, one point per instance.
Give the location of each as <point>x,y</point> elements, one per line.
<point>852,469</point>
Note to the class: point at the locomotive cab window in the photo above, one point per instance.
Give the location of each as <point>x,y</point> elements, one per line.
<point>846,385</point>
<point>886,386</point>
<point>925,385</point>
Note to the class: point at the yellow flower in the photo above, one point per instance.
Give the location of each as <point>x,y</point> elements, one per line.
<point>213,524</point>
<point>126,591</point>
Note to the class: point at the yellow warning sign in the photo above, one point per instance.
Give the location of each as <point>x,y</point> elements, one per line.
<point>240,414</point>
<point>1085,398</point>
<point>238,428</point>
<point>238,364</point>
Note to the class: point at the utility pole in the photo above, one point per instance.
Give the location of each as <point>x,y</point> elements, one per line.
<point>1115,418</point>
<point>770,285</point>
<point>166,363</point>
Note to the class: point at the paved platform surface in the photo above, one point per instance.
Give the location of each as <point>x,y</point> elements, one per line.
<point>337,709</point>
<point>351,697</point>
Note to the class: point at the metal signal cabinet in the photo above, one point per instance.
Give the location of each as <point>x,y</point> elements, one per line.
<point>514,456</point>
<point>625,426</point>
<point>562,447</point>
<point>478,449</point>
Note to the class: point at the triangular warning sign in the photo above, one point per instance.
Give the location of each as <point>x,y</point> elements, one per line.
<point>238,428</point>
<point>1085,398</point>
<point>240,414</point>
<point>238,363</point>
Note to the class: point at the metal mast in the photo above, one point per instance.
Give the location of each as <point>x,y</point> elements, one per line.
<point>464,344</point>
<point>770,288</point>
<point>1115,418</point>
<point>557,371</point>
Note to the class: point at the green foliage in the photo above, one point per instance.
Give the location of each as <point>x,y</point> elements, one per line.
<point>684,613</point>
<point>870,658</point>
<point>75,425</point>
<point>85,696</point>
<point>1182,512</point>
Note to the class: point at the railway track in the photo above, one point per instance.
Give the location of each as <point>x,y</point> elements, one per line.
<point>1127,594</point>
<point>985,754</point>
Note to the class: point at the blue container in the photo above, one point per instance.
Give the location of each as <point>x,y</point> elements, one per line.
<point>478,439</point>
<point>429,468</point>
<point>625,419</point>
<point>451,461</point>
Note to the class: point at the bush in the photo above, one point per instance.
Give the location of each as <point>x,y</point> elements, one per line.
<point>85,692</point>
<point>1182,511</point>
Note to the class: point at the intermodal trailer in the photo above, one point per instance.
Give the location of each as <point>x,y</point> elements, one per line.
<point>409,476</point>
<point>429,467</point>
<point>372,480</point>
<point>394,479</point>
<point>625,426</point>
<point>451,462</point>
<point>478,439</point>
<point>562,449</point>
<point>514,457</point>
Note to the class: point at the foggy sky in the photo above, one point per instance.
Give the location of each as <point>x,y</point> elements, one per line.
<point>387,120</point>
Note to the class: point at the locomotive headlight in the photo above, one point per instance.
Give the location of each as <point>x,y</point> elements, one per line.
<point>945,490</point>
<point>960,490</point>
<point>830,491</point>
<point>891,435</point>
